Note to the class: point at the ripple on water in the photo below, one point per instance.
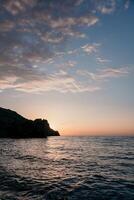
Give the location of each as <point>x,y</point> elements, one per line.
<point>67,168</point>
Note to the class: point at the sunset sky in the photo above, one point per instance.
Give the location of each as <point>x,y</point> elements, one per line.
<point>71,62</point>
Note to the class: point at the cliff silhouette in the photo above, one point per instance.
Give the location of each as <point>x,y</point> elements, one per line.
<point>13,125</point>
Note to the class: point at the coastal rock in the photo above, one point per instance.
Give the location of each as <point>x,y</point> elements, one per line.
<point>13,125</point>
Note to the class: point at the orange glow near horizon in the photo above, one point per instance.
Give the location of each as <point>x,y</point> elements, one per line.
<point>69,132</point>
<point>75,119</point>
<point>74,69</point>
<point>95,131</point>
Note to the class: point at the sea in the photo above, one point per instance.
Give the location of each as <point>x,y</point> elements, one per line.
<point>67,168</point>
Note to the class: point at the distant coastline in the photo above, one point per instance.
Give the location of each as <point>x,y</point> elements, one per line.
<point>13,125</point>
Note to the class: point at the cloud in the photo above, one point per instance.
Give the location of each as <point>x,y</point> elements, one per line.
<point>37,33</point>
<point>37,81</point>
<point>52,38</point>
<point>68,65</point>
<point>90,48</point>
<point>17,6</point>
<point>112,73</point>
<point>102,60</point>
<point>31,81</point>
<point>107,7</point>
<point>127,4</point>
<point>73,51</point>
<point>67,31</point>
<point>7,82</point>
<point>88,20</point>
<point>34,33</point>
<point>105,74</point>
<point>56,83</point>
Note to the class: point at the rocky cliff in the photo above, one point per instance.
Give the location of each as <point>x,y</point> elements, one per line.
<point>13,125</point>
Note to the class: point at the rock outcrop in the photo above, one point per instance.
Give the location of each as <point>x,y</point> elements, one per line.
<point>13,125</point>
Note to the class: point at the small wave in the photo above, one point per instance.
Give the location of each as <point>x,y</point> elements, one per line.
<point>86,168</point>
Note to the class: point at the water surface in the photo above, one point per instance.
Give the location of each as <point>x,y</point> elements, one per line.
<point>67,168</point>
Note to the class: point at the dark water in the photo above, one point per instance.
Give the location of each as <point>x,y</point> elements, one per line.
<point>61,168</point>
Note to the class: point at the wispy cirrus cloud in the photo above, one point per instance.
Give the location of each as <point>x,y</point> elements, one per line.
<point>88,49</point>
<point>112,73</point>
<point>31,81</point>
<point>105,73</point>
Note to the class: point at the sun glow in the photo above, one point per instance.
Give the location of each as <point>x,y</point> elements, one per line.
<point>74,68</point>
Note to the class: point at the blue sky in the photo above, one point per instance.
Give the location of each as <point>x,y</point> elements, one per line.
<point>71,62</point>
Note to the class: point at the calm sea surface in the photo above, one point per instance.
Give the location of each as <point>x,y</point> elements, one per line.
<point>67,168</point>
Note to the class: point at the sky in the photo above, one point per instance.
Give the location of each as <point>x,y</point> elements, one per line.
<point>71,62</point>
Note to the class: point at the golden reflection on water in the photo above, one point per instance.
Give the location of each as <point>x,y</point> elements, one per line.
<point>37,158</point>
